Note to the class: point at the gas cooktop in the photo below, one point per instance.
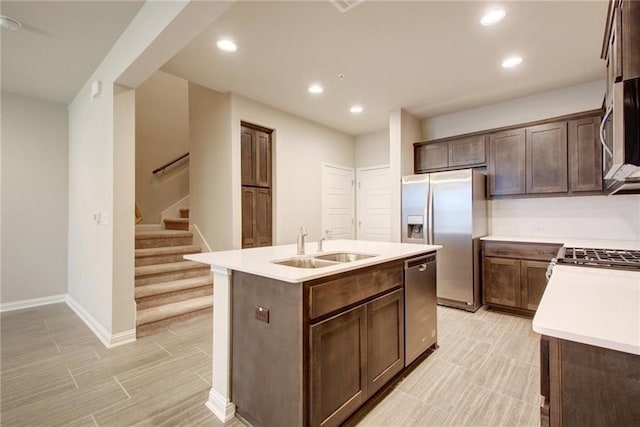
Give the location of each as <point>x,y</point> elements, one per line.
<point>602,258</point>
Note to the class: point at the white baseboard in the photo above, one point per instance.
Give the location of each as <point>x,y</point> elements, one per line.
<point>199,238</point>
<point>220,406</point>
<point>35,302</point>
<point>99,331</point>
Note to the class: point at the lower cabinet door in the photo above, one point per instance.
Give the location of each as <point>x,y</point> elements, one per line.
<point>502,281</point>
<point>533,284</point>
<point>338,367</point>
<point>385,339</point>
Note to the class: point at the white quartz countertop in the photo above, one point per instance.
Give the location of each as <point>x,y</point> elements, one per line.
<point>594,306</point>
<point>570,242</point>
<point>258,260</point>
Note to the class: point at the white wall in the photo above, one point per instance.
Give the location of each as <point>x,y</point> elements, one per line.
<point>299,149</point>
<point>372,149</point>
<point>162,134</point>
<point>95,260</point>
<point>34,198</point>
<point>597,217</point>
<point>210,167</point>
<point>541,106</point>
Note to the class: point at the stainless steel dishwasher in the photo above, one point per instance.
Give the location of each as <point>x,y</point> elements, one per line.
<point>420,301</point>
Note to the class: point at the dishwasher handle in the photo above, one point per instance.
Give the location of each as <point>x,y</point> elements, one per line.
<point>420,262</point>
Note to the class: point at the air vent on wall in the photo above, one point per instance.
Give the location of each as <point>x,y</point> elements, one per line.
<point>345,5</point>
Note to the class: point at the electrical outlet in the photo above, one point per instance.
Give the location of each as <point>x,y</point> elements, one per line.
<point>262,314</point>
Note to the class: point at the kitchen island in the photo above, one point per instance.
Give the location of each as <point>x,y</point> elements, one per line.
<point>589,319</point>
<point>306,346</point>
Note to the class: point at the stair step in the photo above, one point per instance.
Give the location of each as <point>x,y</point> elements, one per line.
<point>184,212</point>
<point>176,224</point>
<point>163,238</point>
<point>172,286</point>
<point>156,273</point>
<point>167,311</point>
<point>172,297</point>
<point>163,255</point>
<point>161,325</point>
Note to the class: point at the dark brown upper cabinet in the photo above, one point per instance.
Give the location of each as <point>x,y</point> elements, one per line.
<point>585,155</point>
<point>547,158</point>
<point>507,162</point>
<point>450,153</point>
<point>256,156</point>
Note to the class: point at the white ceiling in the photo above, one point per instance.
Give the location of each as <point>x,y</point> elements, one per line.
<point>428,57</point>
<point>60,44</point>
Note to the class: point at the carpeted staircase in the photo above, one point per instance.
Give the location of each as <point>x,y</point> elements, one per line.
<point>169,288</point>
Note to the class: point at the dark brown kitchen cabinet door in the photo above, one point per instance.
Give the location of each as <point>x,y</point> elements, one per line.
<point>256,217</point>
<point>468,151</point>
<point>249,217</point>
<point>547,158</point>
<point>507,163</point>
<point>533,283</point>
<point>263,220</point>
<point>385,339</point>
<point>585,155</point>
<point>338,367</point>
<point>430,157</point>
<point>502,281</point>
<point>255,157</point>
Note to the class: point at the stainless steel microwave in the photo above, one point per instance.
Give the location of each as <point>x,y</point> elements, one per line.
<point>620,137</point>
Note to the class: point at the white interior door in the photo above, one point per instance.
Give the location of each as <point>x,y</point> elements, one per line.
<point>337,202</point>
<point>374,204</point>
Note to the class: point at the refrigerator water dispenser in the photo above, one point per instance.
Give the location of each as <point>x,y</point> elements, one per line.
<point>415,227</point>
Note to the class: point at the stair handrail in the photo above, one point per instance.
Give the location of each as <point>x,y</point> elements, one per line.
<point>171,163</point>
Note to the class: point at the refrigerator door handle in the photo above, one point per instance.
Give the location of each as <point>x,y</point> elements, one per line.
<point>430,217</point>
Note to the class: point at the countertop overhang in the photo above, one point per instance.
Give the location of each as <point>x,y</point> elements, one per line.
<point>594,306</point>
<point>259,260</point>
<point>569,241</point>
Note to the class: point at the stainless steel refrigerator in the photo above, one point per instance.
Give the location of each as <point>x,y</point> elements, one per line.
<point>449,209</point>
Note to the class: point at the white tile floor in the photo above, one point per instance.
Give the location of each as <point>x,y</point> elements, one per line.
<point>54,371</point>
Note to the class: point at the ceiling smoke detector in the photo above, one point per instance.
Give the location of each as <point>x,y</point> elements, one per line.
<point>345,5</point>
<point>9,23</point>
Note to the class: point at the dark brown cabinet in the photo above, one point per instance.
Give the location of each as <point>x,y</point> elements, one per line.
<point>585,155</point>
<point>325,348</point>
<point>450,154</point>
<point>355,353</point>
<point>385,339</point>
<point>338,367</point>
<point>256,186</point>
<point>256,217</point>
<point>502,281</point>
<point>533,282</point>
<point>585,385</point>
<point>256,157</point>
<point>546,158</point>
<point>530,160</point>
<point>514,274</point>
<point>507,163</point>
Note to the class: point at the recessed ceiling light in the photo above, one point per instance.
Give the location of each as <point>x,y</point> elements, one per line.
<point>493,17</point>
<point>315,88</point>
<point>227,45</point>
<point>356,109</point>
<point>512,61</point>
<point>9,23</point>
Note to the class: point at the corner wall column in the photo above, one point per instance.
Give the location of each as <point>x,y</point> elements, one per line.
<point>220,394</point>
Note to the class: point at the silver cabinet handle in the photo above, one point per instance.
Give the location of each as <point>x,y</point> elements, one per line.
<point>422,267</point>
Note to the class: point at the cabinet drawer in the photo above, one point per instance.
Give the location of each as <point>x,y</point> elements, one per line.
<point>521,250</point>
<point>335,294</point>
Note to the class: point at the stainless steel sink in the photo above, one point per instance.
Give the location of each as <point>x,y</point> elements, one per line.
<point>305,262</point>
<point>343,257</point>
